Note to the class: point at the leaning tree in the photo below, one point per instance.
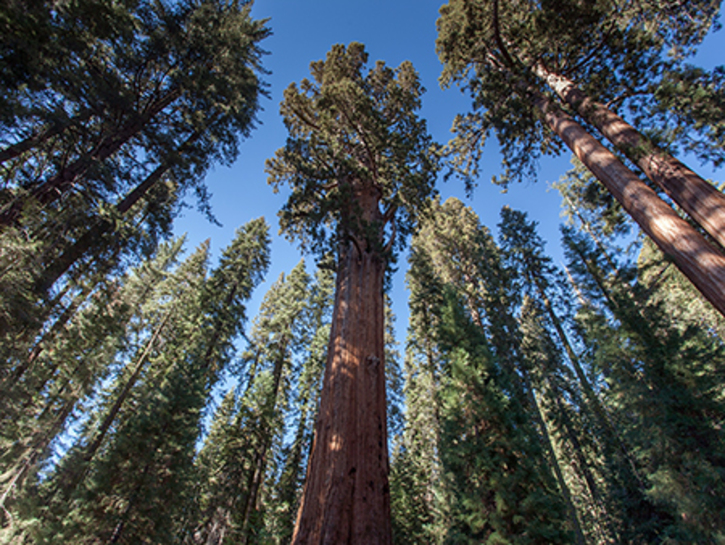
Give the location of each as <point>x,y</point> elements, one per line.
<point>510,55</point>
<point>360,165</point>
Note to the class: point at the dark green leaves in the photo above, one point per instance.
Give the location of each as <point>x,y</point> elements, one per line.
<point>353,133</point>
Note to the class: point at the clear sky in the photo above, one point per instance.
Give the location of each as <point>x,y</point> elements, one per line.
<point>392,31</point>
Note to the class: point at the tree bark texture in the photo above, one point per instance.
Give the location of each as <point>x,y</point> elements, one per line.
<point>699,199</point>
<point>346,499</point>
<point>699,262</point>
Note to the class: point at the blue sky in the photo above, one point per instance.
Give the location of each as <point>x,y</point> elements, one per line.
<point>392,31</point>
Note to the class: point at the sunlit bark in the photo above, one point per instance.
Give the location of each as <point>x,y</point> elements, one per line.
<point>346,499</point>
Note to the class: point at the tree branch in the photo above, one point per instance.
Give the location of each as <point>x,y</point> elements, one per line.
<point>497,36</point>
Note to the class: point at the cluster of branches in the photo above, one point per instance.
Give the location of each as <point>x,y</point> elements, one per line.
<point>111,113</point>
<point>554,411</point>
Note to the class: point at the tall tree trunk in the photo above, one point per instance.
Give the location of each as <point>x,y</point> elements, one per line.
<point>699,262</point>
<point>346,499</point>
<point>595,403</point>
<point>703,202</point>
<point>548,446</point>
<point>102,227</point>
<point>56,186</point>
<point>76,474</point>
<point>37,139</point>
<point>266,433</point>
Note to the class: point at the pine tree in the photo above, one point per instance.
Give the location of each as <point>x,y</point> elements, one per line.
<point>499,483</point>
<point>139,445</point>
<point>420,493</point>
<point>117,42</point>
<point>661,388</point>
<point>127,474</point>
<point>355,145</point>
<point>283,503</point>
<point>45,388</point>
<point>123,119</point>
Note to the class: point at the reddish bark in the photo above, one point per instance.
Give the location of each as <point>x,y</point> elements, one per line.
<point>698,198</point>
<point>346,499</point>
<point>699,262</point>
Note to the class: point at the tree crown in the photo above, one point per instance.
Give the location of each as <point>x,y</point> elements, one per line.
<point>355,143</point>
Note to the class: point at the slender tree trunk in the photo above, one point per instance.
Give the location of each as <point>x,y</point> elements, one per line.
<point>12,381</point>
<point>548,446</point>
<point>604,528</point>
<point>346,499</point>
<point>35,140</point>
<point>703,202</point>
<point>123,394</point>
<point>698,261</point>
<point>95,234</point>
<point>260,464</point>
<point>33,454</point>
<point>56,186</point>
<point>592,397</point>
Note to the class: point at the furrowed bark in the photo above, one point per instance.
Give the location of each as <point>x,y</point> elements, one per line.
<point>699,199</point>
<point>699,262</point>
<point>346,499</point>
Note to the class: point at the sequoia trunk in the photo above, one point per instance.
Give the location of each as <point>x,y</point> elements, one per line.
<point>346,499</point>
<point>699,262</point>
<point>702,201</point>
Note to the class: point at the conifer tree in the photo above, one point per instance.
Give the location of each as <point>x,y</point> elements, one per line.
<point>127,474</point>
<point>140,443</point>
<point>123,98</point>
<point>355,145</point>
<point>489,447</point>
<point>420,491</point>
<point>139,100</point>
<point>238,460</point>
<point>492,49</point>
<point>661,388</point>
<point>43,389</point>
<point>283,502</point>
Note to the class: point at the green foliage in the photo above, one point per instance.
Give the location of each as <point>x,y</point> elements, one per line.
<point>588,202</point>
<point>662,387</point>
<point>616,52</point>
<point>120,109</point>
<point>137,444</point>
<point>249,473</point>
<point>355,143</point>
<point>484,479</point>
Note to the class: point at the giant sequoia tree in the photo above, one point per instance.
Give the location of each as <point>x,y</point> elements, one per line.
<point>360,164</point>
<point>503,53</point>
